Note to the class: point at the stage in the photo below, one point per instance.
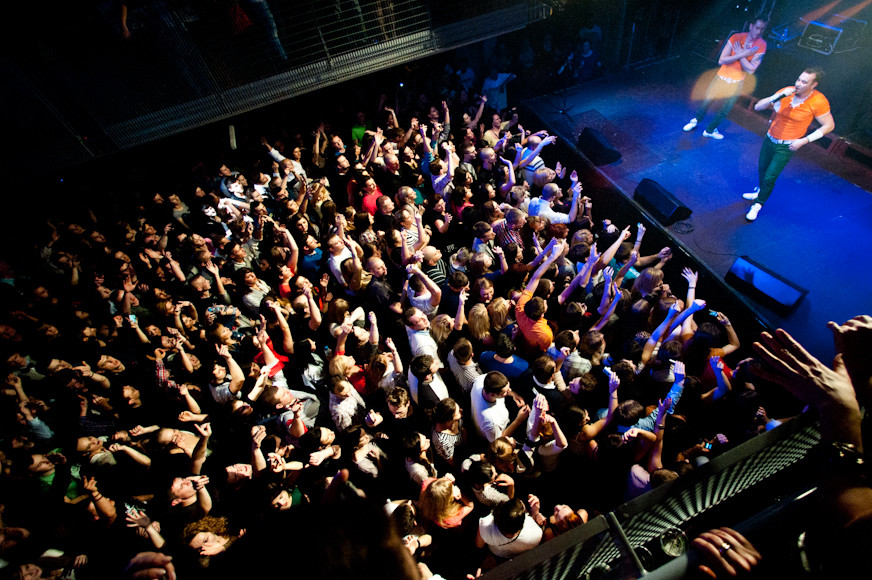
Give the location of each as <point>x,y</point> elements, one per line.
<point>816,227</point>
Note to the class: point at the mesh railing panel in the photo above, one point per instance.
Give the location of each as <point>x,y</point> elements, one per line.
<point>677,510</point>
<point>589,548</point>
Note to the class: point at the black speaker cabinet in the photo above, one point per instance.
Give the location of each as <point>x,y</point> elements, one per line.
<point>765,286</point>
<point>597,148</point>
<point>662,204</point>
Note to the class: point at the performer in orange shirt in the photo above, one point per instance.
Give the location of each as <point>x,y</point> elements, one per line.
<point>742,54</point>
<point>795,108</point>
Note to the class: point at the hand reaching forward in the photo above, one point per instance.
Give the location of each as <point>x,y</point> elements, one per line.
<point>829,390</point>
<point>665,405</point>
<point>852,340</point>
<point>614,383</point>
<point>799,372</point>
<point>690,276</point>
<point>717,364</point>
<point>678,371</point>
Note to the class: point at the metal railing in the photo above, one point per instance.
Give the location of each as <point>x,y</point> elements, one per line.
<point>620,543</point>
<point>97,87</point>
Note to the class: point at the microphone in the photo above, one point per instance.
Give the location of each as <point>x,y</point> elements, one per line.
<point>782,95</point>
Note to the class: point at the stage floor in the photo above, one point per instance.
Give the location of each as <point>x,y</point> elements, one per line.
<point>815,228</point>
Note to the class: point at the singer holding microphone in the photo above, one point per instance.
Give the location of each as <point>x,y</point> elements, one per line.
<point>795,108</point>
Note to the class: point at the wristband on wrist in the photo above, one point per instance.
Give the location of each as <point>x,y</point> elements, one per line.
<point>815,135</point>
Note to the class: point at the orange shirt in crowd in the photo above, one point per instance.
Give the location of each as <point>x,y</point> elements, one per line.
<point>537,333</point>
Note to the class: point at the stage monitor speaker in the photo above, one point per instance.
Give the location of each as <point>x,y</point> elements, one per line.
<point>820,37</point>
<point>662,204</point>
<point>597,148</point>
<point>765,286</point>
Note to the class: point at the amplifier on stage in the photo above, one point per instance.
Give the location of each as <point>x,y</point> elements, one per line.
<point>820,38</point>
<point>841,34</point>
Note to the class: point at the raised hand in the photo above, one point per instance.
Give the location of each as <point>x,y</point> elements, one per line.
<point>594,256</point>
<point>852,340</point>
<point>276,462</point>
<point>212,548</point>
<point>317,458</point>
<point>373,418</point>
<point>535,507</point>
<point>137,519</point>
<point>90,483</point>
<point>665,404</point>
<point>258,434</point>
<point>577,189</point>
<point>524,412</point>
<point>799,372</point>
<point>556,251</point>
<point>678,371</point>
<point>690,276</point>
<point>631,433</point>
<point>204,429</point>
<point>640,231</point>
<point>187,417</point>
<point>614,383</point>
<point>717,364</point>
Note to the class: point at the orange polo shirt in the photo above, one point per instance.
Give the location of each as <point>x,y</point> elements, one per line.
<point>536,332</point>
<point>792,122</point>
<point>734,69</point>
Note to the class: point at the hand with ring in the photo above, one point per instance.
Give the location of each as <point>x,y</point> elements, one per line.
<point>725,552</point>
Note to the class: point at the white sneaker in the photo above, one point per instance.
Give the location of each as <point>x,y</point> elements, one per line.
<point>691,125</point>
<point>752,194</point>
<point>713,135</point>
<point>752,213</point>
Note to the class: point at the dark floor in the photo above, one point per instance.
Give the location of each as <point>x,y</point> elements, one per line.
<point>816,226</point>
